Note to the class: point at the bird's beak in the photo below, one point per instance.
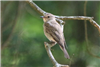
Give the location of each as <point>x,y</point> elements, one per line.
<point>42,16</point>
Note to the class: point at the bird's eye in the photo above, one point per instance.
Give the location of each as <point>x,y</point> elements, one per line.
<point>48,16</point>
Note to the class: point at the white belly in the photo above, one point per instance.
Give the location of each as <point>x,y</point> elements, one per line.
<point>48,36</point>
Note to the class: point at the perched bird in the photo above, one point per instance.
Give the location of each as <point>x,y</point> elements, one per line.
<point>53,32</point>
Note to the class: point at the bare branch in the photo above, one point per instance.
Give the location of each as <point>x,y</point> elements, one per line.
<point>95,24</point>
<point>34,6</point>
<point>74,17</point>
<point>55,63</point>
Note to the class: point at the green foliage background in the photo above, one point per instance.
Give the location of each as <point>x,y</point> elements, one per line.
<point>22,31</point>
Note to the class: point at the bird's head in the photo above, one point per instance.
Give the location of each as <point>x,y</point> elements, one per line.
<point>47,17</point>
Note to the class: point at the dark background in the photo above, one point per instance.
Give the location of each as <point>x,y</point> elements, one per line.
<point>23,37</point>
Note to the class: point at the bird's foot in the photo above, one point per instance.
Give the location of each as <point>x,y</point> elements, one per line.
<point>52,43</point>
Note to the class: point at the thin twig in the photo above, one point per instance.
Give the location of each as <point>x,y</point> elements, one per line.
<point>85,24</point>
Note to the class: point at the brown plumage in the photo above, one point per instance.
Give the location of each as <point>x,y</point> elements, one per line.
<point>53,32</point>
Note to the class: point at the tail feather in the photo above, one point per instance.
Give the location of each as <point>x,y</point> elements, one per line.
<point>65,45</point>
<point>66,53</point>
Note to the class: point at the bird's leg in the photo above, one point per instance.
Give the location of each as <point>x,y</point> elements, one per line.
<point>52,43</point>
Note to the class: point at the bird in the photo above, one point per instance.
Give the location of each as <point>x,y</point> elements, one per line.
<point>54,33</point>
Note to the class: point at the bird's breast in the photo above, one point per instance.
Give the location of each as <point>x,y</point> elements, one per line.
<point>46,32</point>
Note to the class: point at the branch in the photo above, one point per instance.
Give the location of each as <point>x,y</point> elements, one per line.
<point>55,63</point>
<point>34,6</point>
<point>42,12</point>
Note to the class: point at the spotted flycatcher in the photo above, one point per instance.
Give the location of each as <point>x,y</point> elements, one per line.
<point>53,32</point>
